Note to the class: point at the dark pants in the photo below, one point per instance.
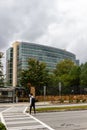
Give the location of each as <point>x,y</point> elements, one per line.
<point>33,108</point>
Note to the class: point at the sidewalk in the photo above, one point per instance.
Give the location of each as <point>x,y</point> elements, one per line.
<point>24,104</point>
<point>49,104</point>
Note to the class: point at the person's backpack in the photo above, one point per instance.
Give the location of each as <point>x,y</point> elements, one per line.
<point>33,100</point>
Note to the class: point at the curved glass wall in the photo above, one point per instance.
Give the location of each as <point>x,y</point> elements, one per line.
<point>23,50</point>
<point>47,54</point>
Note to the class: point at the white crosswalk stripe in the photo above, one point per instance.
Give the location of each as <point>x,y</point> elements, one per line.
<point>16,119</point>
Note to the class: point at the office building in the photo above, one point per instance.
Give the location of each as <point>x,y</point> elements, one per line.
<point>20,52</point>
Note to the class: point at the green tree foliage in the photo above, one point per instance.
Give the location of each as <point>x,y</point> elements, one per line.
<point>63,67</point>
<point>75,75</point>
<point>24,78</point>
<point>52,88</point>
<point>2,126</point>
<point>83,76</point>
<point>68,74</point>
<point>36,74</point>
<point>75,79</point>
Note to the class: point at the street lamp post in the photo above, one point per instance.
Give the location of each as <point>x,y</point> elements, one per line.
<point>59,88</point>
<point>44,93</point>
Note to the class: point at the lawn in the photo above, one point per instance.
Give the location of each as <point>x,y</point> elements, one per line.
<point>65,108</point>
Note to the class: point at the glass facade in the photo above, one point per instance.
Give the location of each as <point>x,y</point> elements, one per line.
<point>42,53</point>
<point>50,55</point>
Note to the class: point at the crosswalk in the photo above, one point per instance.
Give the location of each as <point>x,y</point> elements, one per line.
<point>15,118</point>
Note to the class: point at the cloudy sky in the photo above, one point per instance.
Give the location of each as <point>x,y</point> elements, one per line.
<point>57,23</point>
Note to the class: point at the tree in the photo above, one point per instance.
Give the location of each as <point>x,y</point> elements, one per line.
<point>83,76</point>
<point>75,78</point>
<point>24,78</point>
<point>63,67</point>
<point>53,82</point>
<point>63,72</point>
<point>36,74</point>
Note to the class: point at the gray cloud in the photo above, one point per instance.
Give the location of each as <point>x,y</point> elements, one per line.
<point>59,23</point>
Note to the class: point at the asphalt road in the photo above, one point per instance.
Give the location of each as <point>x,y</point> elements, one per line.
<point>69,120</point>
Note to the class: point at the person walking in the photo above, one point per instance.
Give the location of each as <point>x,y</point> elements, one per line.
<point>32,103</point>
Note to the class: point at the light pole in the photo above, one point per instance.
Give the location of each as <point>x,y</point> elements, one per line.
<point>44,93</point>
<point>59,88</point>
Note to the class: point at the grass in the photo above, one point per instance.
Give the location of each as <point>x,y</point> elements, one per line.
<point>66,108</point>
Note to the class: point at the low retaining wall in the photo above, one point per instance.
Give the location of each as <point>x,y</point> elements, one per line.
<point>65,98</point>
<point>56,99</point>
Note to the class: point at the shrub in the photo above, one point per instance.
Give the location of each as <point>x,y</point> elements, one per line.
<point>2,126</point>
<point>84,100</point>
<point>77,100</point>
<point>61,100</point>
<point>70,100</point>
